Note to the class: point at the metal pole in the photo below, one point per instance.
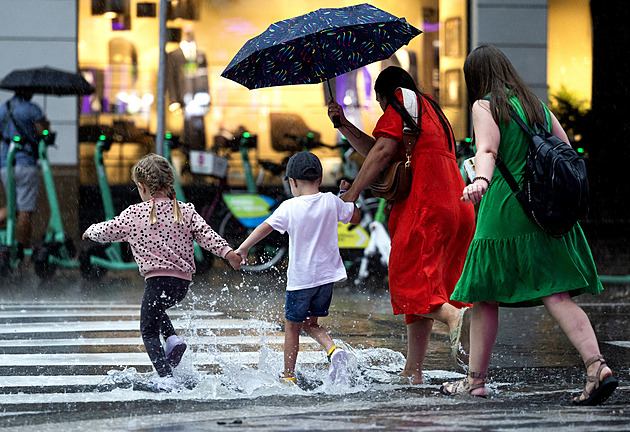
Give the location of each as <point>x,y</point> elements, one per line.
<point>161,105</point>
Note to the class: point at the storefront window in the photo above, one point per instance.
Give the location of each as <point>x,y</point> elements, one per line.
<point>118,53</point>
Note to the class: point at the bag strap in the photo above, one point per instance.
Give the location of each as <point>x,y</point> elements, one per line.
<point>505,172</point>
<point>410,102</point>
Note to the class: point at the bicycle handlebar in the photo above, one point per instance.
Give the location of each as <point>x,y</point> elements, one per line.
<point>310,143</point>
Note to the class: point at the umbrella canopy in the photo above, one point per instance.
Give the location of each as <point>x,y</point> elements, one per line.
<point>46,80</point>
<point>317,46</point>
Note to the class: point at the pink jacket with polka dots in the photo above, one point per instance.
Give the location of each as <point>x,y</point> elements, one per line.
<point>166,247</point>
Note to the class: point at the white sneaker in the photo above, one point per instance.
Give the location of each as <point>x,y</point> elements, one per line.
<point>163,385</point>
<point>338,372</point>
<point>174,350</point>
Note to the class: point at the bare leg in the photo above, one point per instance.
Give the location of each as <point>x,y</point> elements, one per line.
<point>317,332</point>
<point>418,334</point>
<point>24,227</point>
<point>484,325</point>
<point>291,346</point>
<point>576,325</point>
<point>447,314</point>
<point>3,216</point>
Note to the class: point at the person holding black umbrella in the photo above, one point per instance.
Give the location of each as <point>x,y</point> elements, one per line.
<point>22,118</point>
<point>432,228</point>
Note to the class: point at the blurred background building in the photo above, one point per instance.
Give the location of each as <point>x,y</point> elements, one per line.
<point>115,45</point>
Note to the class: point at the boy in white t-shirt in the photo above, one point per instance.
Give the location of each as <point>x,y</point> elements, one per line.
<point>315,265</point>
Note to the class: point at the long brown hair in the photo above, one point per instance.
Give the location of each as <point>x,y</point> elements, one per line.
<point>488,70</point>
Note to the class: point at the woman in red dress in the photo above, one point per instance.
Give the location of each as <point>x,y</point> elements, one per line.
<point>430,230</point>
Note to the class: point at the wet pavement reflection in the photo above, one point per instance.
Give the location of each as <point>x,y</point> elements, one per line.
<point>71,358</point>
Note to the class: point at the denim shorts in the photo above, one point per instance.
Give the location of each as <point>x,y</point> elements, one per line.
<point>310,302</point>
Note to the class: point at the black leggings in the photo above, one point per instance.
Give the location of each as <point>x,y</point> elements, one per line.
<point>161,293</point>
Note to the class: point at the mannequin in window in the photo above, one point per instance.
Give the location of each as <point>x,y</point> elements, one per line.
<point>188,90</point>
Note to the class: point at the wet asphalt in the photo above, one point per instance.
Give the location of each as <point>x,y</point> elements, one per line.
<point>533,374</point>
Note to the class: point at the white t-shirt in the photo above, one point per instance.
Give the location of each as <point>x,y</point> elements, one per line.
<point>311,221</point>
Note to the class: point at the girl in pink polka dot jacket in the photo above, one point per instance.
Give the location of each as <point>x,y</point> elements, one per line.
<point>161,232</point>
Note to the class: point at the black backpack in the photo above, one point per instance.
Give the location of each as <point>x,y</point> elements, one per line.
<point>555,186</point>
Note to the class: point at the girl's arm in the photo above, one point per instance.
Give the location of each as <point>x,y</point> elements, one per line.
<point>208,238</point>
<point>113,230</point>
<point>487,140</point>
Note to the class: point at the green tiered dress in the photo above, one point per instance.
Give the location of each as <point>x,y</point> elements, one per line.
<point>511,260</point>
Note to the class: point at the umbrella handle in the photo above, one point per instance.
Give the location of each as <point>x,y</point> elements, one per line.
<point>336,121</point>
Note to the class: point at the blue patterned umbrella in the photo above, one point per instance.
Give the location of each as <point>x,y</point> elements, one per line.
<point>317,46</point>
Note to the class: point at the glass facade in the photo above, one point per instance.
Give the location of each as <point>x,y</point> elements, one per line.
<point>118,53</point>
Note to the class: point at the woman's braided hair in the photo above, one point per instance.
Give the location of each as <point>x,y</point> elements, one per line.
<point>156,173</point>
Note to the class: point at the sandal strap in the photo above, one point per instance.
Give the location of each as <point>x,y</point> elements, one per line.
<point>482,375</point>
<point>592,360</point>
<point>472,387</point>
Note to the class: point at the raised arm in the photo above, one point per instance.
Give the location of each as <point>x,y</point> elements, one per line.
<point>355,136</point>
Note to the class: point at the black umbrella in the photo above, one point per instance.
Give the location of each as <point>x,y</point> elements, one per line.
<point>46,80</point>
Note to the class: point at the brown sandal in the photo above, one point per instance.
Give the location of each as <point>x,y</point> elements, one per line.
<point>463,386</point>
<point>603,388</point>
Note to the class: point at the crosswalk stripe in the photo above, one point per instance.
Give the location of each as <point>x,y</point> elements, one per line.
<point>129,325</point>
<point>198,340</point>
<point>135,313</point>
<point>138,359</point>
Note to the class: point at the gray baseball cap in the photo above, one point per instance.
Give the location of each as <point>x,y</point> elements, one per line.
<point>304,166</point>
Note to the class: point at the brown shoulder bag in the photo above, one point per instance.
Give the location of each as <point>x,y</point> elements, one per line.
<point>394,182</point>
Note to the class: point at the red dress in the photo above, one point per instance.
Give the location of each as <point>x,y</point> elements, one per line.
<point>432,229</point>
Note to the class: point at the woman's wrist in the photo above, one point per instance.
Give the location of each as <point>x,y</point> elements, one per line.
<point>483,179</point>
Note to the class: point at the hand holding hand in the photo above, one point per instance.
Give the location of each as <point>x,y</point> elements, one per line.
<point>344,185</point>
<point>243,254</point>
<point>234,259</point>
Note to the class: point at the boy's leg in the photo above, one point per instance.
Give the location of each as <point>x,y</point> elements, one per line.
<point>317,332</point>
<point>291,346</point>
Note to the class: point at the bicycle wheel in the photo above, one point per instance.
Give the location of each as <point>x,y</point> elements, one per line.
<point>268,253</point>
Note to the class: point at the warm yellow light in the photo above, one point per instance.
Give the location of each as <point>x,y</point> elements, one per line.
<point>110,15</point>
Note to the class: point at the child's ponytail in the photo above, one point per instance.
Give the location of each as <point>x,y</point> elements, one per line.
<point>153,215</point>
<point>177,212</point>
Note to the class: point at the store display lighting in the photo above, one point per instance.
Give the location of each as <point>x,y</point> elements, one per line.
<point>115,7</point>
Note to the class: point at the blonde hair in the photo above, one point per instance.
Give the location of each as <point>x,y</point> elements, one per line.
<point>156,173</point>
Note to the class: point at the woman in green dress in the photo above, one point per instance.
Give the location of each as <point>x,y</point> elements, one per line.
<point>511,261</point>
